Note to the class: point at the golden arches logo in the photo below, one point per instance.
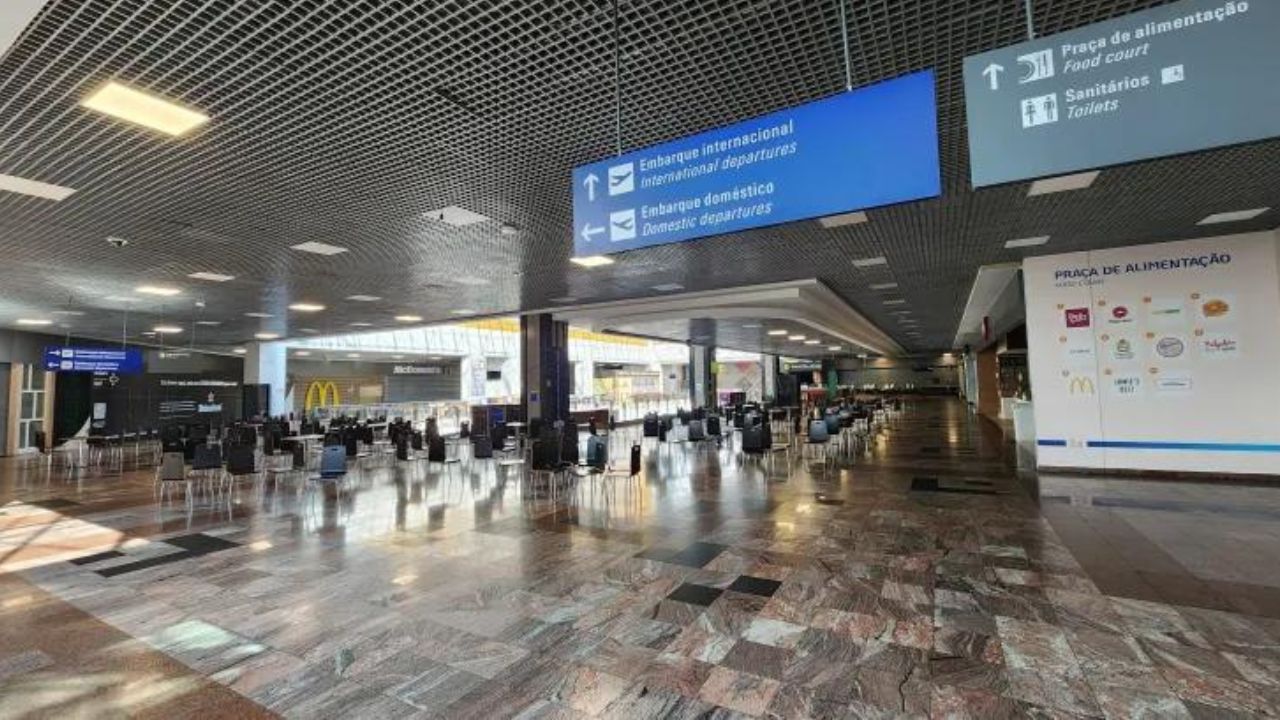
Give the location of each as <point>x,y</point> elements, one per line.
<point>1080,385</point>
<point>322,393</point>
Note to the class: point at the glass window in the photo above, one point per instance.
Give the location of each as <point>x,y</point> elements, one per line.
<point>37,378</point>
<point>28,406</point>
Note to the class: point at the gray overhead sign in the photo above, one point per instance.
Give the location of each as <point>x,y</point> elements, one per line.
<point>1182,77</point>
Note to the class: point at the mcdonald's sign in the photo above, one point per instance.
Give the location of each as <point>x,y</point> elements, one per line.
<point>1081,385</point>
<point>322,393</point>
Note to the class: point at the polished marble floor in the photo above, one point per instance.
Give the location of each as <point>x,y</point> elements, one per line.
<point>923,578</point>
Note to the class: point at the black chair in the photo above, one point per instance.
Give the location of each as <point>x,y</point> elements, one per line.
<point>402,446</point>
<point>415,441</point>
<point>241,462</point>
<point>569,443</point>
<point>652,427</point>
<point>481,448</point>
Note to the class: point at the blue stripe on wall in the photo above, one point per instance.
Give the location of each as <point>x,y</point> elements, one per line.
<point>1199,446</point>
<point>1051,443</point>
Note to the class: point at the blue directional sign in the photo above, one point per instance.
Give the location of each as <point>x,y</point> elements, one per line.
<point>104,360</point>
<point>860,149</point>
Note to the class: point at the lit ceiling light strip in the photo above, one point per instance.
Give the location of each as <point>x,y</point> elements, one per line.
<point>141,108</point>
<point>1027,242</point>
<point>34,188</point>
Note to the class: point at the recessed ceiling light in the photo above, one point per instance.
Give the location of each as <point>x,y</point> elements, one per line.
<point>409,318</point>
<point>353,355</point>
<point>509,229</point>
<point>266,336</point>
<point>302,353</point>
<point>319,248</point>
<point>433,358</point>
<point>306,307</point>
<point>148,333</point>
<point>211,277</point>
<point>144,109</point>
<point>1235,216</point>
<point>463,311</point>
<point>591,261</point>
<point>668,287</point>
<point>209,323</point>
<point>157,290</point>
<point>456,216</point>
<point>1063,183</point>
<point>812,342</point>
<point>1027,242</point>
<point>68,312</point>
<point>870,262</point>
<point>883,286</point>
<point>751,326</point>
<point>471,280</point>
<point>34,321</point>
<point>795,337</point>
<point>167,329</point>
<point>309,331</point>
<point>361,324</point>
<point>364,298</point>
<point>34,188</point>
<point>397,357</point>
<point>834,348</point>
<point>239,351</point>
<point>834,221</point>
<point>897,301</point>
<point>777,333</point>
<point>258,315</point>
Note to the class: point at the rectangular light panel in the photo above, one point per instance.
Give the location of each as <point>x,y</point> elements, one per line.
<point>319,248</point>
<point>145,109</point>
<point>34,188</point>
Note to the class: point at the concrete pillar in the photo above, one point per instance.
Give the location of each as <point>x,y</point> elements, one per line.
<point>545,372</point>
<point>264,364</point>
<point>702,381</point>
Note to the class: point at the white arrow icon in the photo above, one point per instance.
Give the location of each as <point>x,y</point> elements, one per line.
<point>590,182</point>
<point>589,231</point>
<point>993,74</point>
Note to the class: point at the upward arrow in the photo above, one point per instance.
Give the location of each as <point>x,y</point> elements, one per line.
<point>992,72</point>
<point>590,182</point>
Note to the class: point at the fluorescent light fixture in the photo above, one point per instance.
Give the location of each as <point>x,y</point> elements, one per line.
<point>409,318</point>
<point>1063,183</point>
<point>883,286</point>
<point>834,348</point>
<point>145,109</point>
<point>167,329</point>
<point>302,353</point>
<point>211,277</point>
<point>267,336</point>
<point>318,248</point>
<point>364,298</point>
<point>897,301</point>
<point>306,307</point>
<point>361,324</point>
<point>795,337</point>
<point>68,312</point>
<point>209,323</point>
<point>353,355</point>
<point>309,331</point>
<point>812,342</point>
<point>1237,216</point>
<point>397,357</point>
<point>668,287</point>
<point>870,262</point>
<point>34,188</point>
<point>258,315</point>
<point>590,261</point>
<point>834,221</point>
<point>433,358</point>
<point>463,311</point>
<point>777,333</point>
<point>157,290</point>
<point>34,321</point>
<point>751,326</point>
<point>239,351</point>
<point>1027,242</point>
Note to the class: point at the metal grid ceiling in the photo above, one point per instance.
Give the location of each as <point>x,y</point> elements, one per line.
<point>344,122</point>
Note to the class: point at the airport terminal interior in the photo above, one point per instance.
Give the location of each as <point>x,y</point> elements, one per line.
<point>638,359</point>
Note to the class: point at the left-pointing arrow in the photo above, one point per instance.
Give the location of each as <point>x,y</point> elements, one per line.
<point>589,231</point>
<point>590,183</point>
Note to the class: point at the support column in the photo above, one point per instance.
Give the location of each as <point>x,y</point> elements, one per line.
<point>545,372</point>
<point>702,381</point>
<point>264,364</point>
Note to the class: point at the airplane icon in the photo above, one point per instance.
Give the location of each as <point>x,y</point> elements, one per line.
<point>622,179</point>
<point>622,225</point>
